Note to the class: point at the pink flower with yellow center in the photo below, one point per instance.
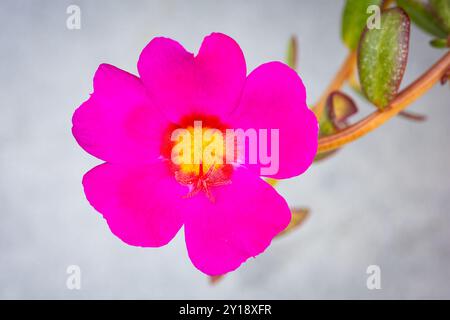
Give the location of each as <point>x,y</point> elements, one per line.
<point>228,212</point>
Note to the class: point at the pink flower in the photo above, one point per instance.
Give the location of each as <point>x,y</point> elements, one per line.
<point>139,191</point>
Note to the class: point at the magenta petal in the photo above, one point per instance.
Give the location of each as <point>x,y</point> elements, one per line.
<point>274,97</point>
<point>181,84</point>
<point>221,72</point>
<point>118,122</point>
<point>167,70</point>
<point>140,203</point>
<point>240,224</point>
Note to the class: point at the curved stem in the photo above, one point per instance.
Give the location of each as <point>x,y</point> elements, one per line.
<point>400,102</point>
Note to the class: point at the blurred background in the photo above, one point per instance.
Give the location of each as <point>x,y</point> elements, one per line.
<point>383,200</point>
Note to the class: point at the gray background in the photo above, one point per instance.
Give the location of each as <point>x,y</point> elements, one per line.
<point>383,200</point>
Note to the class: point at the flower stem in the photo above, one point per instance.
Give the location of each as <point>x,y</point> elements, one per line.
<point>399,103</point>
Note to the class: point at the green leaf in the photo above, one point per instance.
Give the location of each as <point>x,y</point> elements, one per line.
<point>299,216</point>
<point>339,107</point>
<point>441,9</point>
<point>326,126</point>
<point>408,115</point>
<point>382,57</point>
<point>324,155</point>
<point>421,15</point>
<point>440,43</point>
<point>354,20</point>
<point>291,55</point>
